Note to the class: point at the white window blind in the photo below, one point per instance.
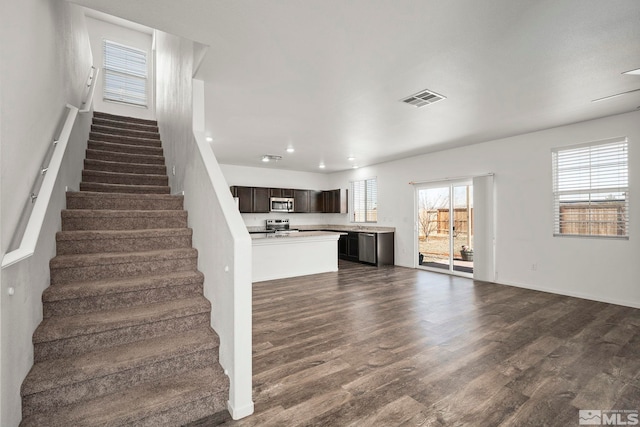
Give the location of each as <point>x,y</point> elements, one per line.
<point>365,200</point>
<point>125,74</point>
<point>591,189</point>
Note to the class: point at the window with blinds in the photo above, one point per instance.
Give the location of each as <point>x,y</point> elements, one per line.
<point>365,200</point>
<point>125,74</point>
<point>591,189</point>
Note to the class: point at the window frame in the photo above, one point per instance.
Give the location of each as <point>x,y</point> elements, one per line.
<point>374,204</point>
<point>131,76</point>
<point>607,175</point>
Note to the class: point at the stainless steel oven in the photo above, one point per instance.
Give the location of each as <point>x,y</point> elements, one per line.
<point>281,204</point>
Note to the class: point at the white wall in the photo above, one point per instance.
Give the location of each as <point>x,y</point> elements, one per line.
<point>174,110</point>
<point>100,30</point>
<point>44,67</point>
<point>599,269</point>
<point>222,241</point>
<point>278,178</point>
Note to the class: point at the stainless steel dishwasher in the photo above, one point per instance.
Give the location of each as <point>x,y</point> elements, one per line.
<point>367,247</point>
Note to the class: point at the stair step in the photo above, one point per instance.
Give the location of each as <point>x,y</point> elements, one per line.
<point>125,132</point>
<point>85,219</point>
<point>98,241</point>
<point>110,156</point>
<point>115,147</point>
<point>75,268</point>
<point>59,382</point>
<point>121,139</point>
<point>106,166</point>
<point>124,125</point>
<point>63,336</point>
<point>122,188</point>
<point>108,294</point>
<point>182,399</point>
<point>128,119</point>
<point>124,178</point>
<point>85,200</point>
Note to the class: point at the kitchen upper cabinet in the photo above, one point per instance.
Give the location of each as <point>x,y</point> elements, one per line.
<point>331,201</point>
<point>245,198</point>
<point>301,201</point>
<point>287,192</point>
<point>316,201</point>
<point>252,199</point>
<point>260,201</point>
<point>275,192</point>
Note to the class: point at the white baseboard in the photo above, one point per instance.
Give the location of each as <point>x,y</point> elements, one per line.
<point>573,294</point>
<point>238,413</point>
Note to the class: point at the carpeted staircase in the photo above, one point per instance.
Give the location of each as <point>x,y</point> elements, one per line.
<point>125,338</point>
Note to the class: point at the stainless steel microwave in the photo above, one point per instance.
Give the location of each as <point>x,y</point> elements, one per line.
<point>281,204</point>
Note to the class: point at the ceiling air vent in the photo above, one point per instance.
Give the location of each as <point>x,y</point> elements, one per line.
<point>423,98</point>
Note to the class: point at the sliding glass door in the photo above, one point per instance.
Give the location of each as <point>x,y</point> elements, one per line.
<point>445,227</point>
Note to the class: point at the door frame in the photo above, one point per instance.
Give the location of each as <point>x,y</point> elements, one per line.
<point>416,230</point>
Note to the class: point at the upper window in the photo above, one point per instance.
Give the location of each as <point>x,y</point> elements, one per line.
<point>125,74</point>
<point>365,200</point>
<point>591,189</point>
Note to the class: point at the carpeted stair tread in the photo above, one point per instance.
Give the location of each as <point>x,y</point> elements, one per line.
<point>57,328</point>
<point>88,201</point>
<point>67,299</point>
<point>122,139</point>
<point>169,401</point>
<point>120,118</point>
<point>124,188</point>
<point>105,219</point>
<point>125,132</point>
<point>124,125</point>
<point>96,241</point>
<point>96,288</point>
<point>119,167</point>
<point>117,147</point>
<point>125,157</point>
<point>74,268</point>
<point>124,178</point>
<point>50,374</point>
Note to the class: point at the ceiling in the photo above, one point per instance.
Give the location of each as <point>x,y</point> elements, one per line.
<point>326,76</point>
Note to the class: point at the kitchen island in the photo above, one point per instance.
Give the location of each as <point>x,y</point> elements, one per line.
<point>282,255</point>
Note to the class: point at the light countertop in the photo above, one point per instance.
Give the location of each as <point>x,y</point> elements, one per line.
<point>332,227</point>
<point>274,237</point>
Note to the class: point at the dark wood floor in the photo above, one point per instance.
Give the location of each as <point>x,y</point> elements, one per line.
<point>394,346</point>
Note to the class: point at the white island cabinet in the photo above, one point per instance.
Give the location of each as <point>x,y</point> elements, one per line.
<point>277,256</point>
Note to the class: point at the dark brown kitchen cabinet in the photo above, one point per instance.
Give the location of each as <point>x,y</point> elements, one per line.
<point>261,200</point>
<point>316,201</point>
<point>252,199</point>
<point>275,192</point>
<point>301,201</point>
<point>332,201</point>
<point>287,192</point>
<point>245,198</point>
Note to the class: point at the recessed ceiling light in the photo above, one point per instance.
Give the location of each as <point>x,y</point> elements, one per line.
<point>634,72</point>
<point>268,157</point>
<point>209,139</point>
<point>290,150</point>
<point>351,158</point>
<point>354,167</point>
<point>321,166</point>
<point>616,95</point>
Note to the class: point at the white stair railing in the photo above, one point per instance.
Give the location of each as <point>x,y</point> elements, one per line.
<point>48,174</point>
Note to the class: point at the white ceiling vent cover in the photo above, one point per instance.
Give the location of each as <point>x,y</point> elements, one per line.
<point>423,98</point>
